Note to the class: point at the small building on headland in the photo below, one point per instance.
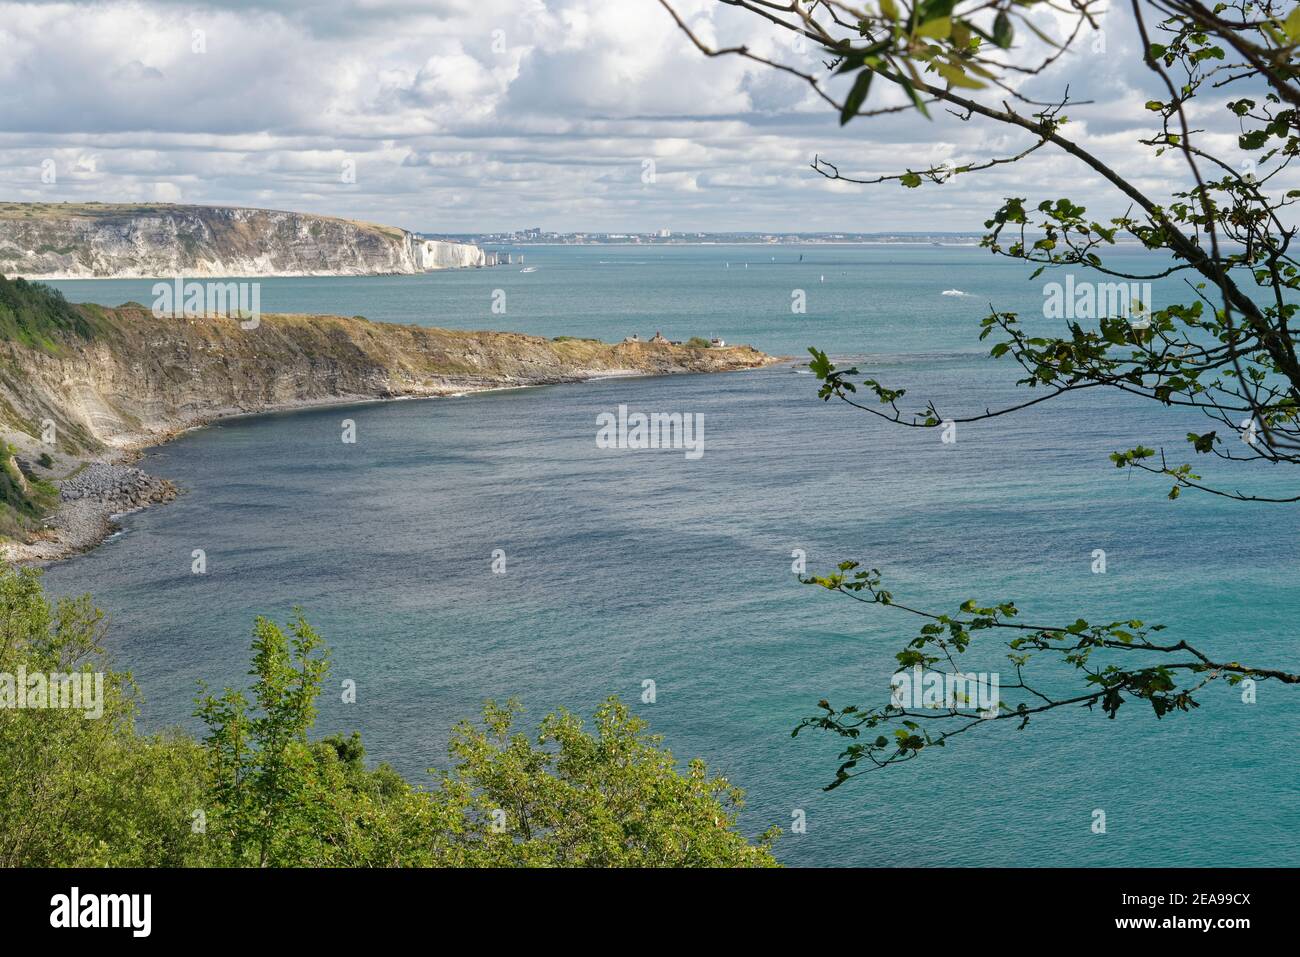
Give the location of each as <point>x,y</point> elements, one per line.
<point>659,339</point>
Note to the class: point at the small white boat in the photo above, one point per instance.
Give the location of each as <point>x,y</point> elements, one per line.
<point>529,269</point>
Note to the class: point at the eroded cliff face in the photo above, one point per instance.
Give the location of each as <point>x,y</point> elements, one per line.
<point>439,254</point>
<point>121,379</point>
<point>141,378</point>
<point>82,241</point>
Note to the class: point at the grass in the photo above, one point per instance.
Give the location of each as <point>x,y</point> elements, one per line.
<point>57,211</point>
<point>39,317</point>
<point>63,210</point>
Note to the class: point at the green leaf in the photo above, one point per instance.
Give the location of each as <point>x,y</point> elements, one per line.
<point>1292,25</point>
<point>1002,30</point>
<point>1253,140</point>
<point>956,76</point>
<point>939,28</point>
<point>857,96</point>
<point>821,366</point>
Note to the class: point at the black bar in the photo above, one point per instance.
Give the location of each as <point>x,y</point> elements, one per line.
<point>334,906</point>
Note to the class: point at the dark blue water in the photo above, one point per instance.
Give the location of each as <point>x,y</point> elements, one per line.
<point>625,566</point>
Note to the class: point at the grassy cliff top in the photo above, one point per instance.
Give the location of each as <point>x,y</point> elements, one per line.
<point>51,212</point>
<point>39,317</point>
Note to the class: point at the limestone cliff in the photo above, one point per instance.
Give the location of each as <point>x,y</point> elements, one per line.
<point>140,377</point>
<point>102,383</point>
<point>98,240</point>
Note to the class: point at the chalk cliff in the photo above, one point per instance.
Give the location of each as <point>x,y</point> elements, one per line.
<point>106,241</point>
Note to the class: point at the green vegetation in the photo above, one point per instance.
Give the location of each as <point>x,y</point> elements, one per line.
<point>698,342</point>
<point>23,499</point>
<point>39,317</point>
<point>36,317</point>
<point>574,339</point>
<point>257,791</point>
<point>65,210</point>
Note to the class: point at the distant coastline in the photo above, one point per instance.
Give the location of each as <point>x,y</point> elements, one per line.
<point>68,241</point>
<point>755,244</point>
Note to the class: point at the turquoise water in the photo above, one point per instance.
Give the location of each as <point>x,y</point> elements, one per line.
<point>627,566</point>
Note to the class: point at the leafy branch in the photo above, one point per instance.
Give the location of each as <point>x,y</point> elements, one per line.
<point>1099,652</point>
<point>1226,228</point>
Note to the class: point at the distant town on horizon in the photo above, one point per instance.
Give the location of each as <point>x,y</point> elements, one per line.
<point>538,236</point>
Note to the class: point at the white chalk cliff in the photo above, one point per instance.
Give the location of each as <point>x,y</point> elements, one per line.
<point>104,241</point>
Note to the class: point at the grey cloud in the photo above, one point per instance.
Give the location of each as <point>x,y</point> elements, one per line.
<point>135,72</point>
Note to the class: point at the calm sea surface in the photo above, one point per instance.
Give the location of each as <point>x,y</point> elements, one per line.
<point>627,566</point>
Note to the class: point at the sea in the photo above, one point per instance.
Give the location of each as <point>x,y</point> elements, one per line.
<point>488,547</point>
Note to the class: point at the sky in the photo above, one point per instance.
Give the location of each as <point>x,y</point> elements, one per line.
<point>474,116</point>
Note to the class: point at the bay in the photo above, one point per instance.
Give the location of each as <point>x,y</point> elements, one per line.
<point>628,566</point>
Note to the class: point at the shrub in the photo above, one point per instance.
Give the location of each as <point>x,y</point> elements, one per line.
<point>257,791</point>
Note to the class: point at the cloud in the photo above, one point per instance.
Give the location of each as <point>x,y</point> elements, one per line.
<point>478,115</point>
<point>137,72</point>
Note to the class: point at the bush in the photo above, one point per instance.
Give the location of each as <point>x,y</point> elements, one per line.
<point>257,791</point>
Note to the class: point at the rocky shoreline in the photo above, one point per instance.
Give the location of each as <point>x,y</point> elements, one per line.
<point>89,502</point>
<point>107,486</point>
<point>108,482</point>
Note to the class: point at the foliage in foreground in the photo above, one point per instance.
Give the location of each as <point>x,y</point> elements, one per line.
<point>1217,202</point>
<point>257,791</point>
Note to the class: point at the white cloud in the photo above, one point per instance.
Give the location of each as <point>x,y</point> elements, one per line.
<point>475,115</point>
